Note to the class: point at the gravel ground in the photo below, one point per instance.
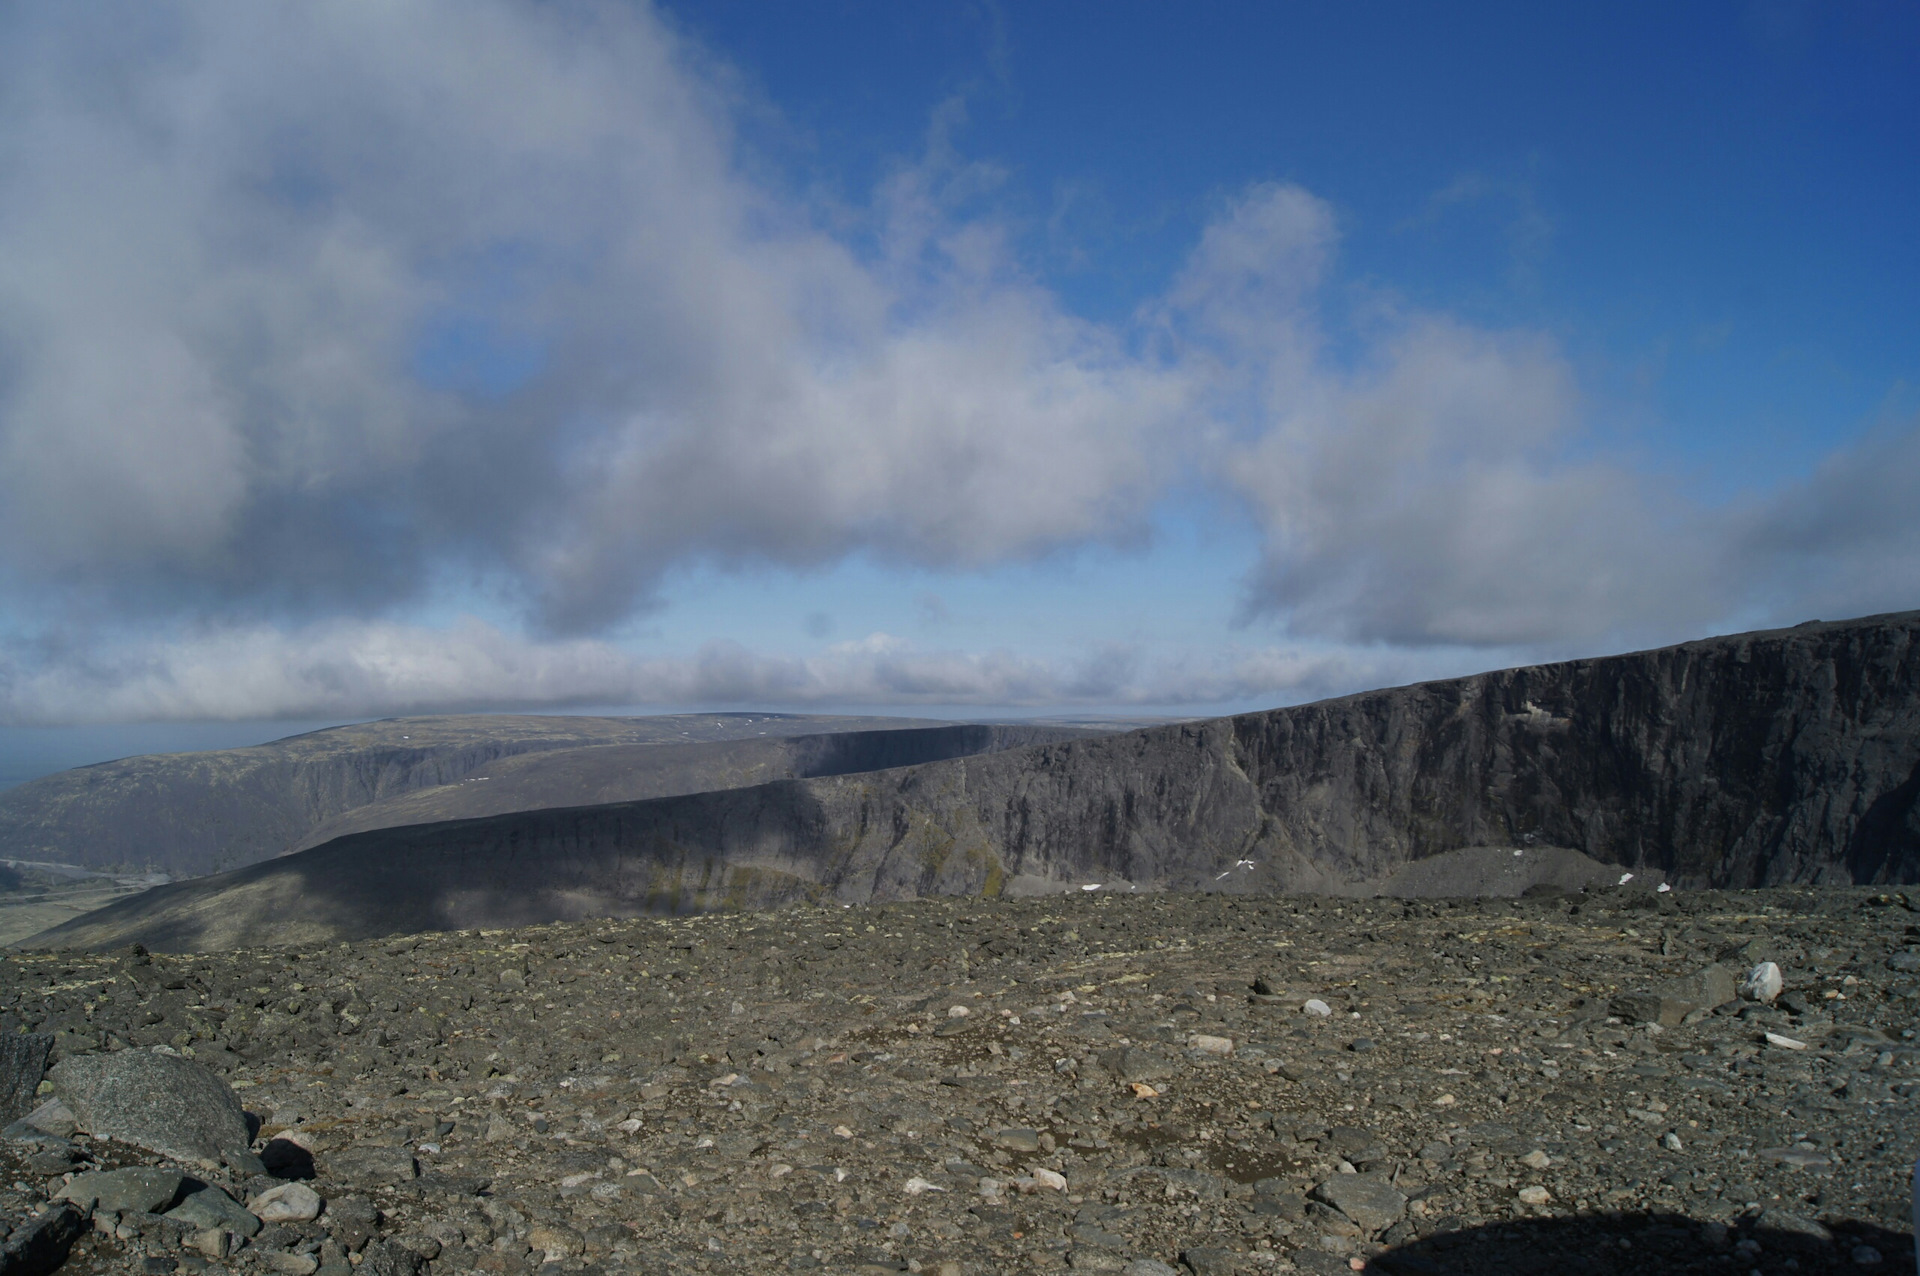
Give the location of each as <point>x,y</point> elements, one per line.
<point>1090,1083</point>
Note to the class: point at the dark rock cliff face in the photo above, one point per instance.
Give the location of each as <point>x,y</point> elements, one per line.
<point>1787,756</point>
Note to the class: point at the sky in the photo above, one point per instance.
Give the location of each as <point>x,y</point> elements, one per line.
<point>953,359</point>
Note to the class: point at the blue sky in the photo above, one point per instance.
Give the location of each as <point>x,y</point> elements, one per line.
<point>942,357</point>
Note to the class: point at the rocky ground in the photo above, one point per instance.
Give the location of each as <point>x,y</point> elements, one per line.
<point>963,1087</point>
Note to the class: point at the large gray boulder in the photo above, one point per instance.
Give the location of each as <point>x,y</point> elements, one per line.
<point>161,1102</point>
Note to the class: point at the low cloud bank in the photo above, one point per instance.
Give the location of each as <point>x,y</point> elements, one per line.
<point>346,670</point>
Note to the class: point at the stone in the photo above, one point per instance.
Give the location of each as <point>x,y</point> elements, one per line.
<point>1705,989</point>
<point>1317,1008</point>
<point>288,1203</point>
<point>1210,1260</point>
<point>137,1190</point>
<point>287,1264</point>
<point>23,1061</point>
<point>40,1244</point>
<point>1905,963</point>
<point>1368,1199</point>
<point>373,1164</point>
<point>1206,1044</point>
<point>1534,1195</point>
<point>1018,1139</point>
<point>209,1208</point>
<point>1796,1228</point>
<point>211,1241</point>
<point>1785,1042</point>
<point>1132,1063</point>
<point>52,1118</point>
<point>1148,1267</point>
<point>160,1102</point>
<point>1763,983</point>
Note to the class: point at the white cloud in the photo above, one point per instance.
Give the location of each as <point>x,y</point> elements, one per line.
<point>240,242</point>
<point>226,228</point>
<point>353,669</point>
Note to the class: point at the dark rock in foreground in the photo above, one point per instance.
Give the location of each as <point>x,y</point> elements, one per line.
<point>1787,756</point>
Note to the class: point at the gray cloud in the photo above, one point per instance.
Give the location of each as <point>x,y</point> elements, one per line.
<point>305,311</point>
<point>231,235</point>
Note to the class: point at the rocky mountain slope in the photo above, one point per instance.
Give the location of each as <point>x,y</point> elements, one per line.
<point>193,813</point>
<point>1786,756</point>
<point>1168,1085</point>
<point>606,774</point>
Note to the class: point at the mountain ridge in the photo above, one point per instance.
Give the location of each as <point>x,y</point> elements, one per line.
<point>1774,756</point>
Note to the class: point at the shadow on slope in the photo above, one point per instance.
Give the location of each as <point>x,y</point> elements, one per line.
<point>192,813</point>
<point>606,774</point>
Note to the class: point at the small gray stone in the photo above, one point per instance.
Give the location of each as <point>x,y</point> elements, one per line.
<point>160,1102</point>
<point>1131,1063</point>
<point>1148,1267</point>
<point>1018,1139</point>
<point>1794,1227</point>
<point>1368,1199</point>
<point>374,1165</point>
<point>138,1190</point>
<point>1907,963</point>
<point>1211,1260</point>
<point>52,1119</point>
<point>210,1209</point>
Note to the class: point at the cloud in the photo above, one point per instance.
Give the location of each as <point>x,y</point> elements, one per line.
<point>369,668</point>
<point>307,312</point>
<point>243,246</point>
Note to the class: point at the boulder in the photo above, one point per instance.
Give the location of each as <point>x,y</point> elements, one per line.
<point>212,1210</point>
<point>288,1203</point>
<point>137,1190</point>
<point>160,1102</point>
<point>1368,1199</point>
<point>23,1061</point>
<point>1711,986</point>
<point>39,1245</point>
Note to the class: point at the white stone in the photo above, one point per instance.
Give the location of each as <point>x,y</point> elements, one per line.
<point>1210,1045</point>
<point>1763,983</point>
<point>288,1203</point>
<point>1785,1043</point>
<point>1318,1008</point>
<point>1535,1195</point>
<point>1049,1178</point>
<point>916,1185</point>
<point>958,1012</point>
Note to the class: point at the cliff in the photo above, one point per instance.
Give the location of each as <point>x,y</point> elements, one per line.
<point>1763,758</point>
